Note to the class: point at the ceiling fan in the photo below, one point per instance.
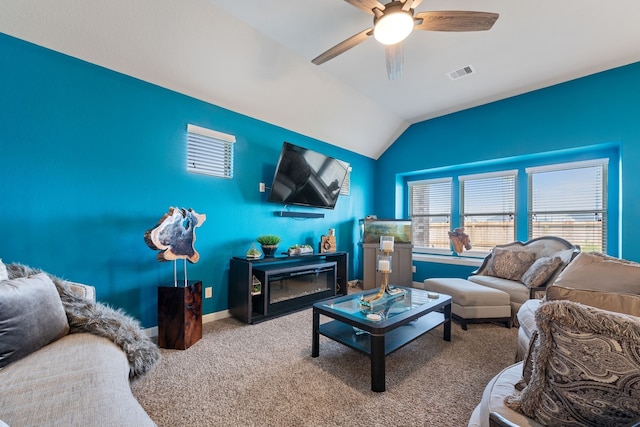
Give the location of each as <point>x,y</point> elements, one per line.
<point>394,21</point>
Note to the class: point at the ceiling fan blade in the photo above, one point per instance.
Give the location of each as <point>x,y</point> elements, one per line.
<point>394,58</point>
<point>410,4</point>
<point>455,20</point>
<point>366,5</point>
<point>343,46</point>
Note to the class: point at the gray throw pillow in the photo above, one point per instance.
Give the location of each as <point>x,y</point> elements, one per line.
<point>540,271</point>
<point>509,264</point>
<point>586,368</point>
<point>31,316</point>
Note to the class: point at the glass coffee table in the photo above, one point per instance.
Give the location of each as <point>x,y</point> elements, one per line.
<point>383,328</point>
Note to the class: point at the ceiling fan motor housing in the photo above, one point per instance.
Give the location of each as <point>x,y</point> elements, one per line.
<point>392,25</point>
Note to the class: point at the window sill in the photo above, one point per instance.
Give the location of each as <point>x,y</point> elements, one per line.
<point>447,259</point>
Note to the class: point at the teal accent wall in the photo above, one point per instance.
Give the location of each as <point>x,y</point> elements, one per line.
<point>91,159</point>
<point>570,121</point>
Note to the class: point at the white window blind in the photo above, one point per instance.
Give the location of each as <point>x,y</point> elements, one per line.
<point>488,208</point>
<point>345,189</point>
<point>570,201</point>
<point>209,152</point>
<point>430,212</point>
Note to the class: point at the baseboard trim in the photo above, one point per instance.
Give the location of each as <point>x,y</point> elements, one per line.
<point>211,317</point>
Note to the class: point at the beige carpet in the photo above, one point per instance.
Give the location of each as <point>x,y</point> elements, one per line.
<point>263,375</point>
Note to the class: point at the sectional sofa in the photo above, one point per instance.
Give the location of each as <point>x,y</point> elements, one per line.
<point>64,359</point>
<point>581,351</point>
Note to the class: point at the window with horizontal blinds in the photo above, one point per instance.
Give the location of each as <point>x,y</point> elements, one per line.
<point>209,152</point>
<point>345,188</point>
<point>430,212</point>
<point>569,201</point>
<point>488,208</point>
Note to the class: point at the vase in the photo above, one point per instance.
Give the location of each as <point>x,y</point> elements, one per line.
<point>269,250</point>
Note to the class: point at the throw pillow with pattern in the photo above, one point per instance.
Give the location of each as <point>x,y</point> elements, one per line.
<point>540,271</point>
<point>586,368</point>
<point>509,264</point>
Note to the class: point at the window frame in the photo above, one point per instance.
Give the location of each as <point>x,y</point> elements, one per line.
<point>410,188</point>
<point>603,211</point>
<point>210,152</point>
<point>512,174</point>
<point>610,152</point>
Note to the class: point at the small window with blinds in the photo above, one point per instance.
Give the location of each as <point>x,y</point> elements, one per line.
<point>488,208</point>
<point>570,201</point>
<point>345,189</point>
<point>430,212</point>
<point>209,152</point>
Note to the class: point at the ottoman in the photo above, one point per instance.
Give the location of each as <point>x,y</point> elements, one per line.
<point>471,302</point>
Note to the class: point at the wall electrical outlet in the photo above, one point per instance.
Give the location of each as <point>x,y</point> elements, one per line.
<point>262,187</point>
<point>208,292</point>
<point>413,268</point>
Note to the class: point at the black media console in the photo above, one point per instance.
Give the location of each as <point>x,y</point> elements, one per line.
<point>260,289</point>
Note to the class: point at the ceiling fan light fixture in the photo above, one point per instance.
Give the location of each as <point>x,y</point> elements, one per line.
<point>393,27</point>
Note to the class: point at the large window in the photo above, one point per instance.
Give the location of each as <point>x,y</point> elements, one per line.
<point>521,201</point>
<point>488,208</point>
<point>569,201</point>
<point>430,211</point>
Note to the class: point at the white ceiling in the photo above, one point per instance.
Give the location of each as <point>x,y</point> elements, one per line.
<point>254,56</point>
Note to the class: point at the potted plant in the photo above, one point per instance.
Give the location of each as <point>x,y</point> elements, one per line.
<point>269,244</point>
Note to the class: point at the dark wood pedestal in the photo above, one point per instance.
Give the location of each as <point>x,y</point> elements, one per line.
<point>179,315</point>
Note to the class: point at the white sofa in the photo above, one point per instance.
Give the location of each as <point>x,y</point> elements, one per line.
<point>50,377</point>
<point>603,296</point>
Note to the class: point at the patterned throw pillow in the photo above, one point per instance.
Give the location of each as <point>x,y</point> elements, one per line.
<point>540,271</point>
<point>586,368</point>
<point>508,264</point>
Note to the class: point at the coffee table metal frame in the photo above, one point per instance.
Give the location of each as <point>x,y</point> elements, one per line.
<point>384,336</point>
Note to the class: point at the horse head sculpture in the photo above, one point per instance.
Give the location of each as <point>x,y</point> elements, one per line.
<point>459,240</point>
<point>174,235</point>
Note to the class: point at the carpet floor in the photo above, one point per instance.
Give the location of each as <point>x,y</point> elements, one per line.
<point>264,375</point>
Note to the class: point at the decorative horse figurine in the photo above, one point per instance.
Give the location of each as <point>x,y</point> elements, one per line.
<point>174,235</point>
<point>459,240</point>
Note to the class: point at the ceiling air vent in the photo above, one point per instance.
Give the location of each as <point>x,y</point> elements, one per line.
<point>462,72</point>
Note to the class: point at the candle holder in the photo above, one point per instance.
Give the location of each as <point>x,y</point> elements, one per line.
<point>386,244</point>
<point>383,265</point>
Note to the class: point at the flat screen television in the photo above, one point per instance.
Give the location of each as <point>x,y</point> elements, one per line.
<point>307,178</point>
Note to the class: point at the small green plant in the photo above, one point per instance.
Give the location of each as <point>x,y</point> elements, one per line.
<point>268,240</point>
<point>253,252</point>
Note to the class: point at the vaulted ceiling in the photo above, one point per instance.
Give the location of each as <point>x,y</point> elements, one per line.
<point>254,56</point>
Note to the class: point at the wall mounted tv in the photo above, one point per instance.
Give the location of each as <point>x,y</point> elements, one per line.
<point>307,178</point>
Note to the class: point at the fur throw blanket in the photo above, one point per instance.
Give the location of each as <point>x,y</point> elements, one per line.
<point>85,315</point>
